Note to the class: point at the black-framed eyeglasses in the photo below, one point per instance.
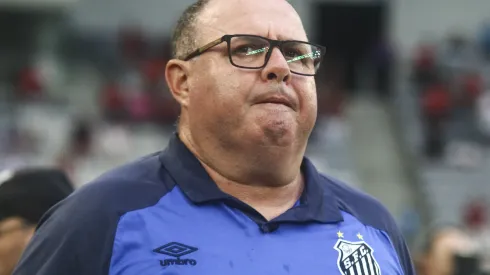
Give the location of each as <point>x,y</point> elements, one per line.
<point>253,52</point>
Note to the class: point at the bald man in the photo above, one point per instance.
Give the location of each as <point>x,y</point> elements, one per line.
<point>233,192</point>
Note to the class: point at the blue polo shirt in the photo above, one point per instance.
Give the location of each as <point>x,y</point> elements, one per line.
<point>164,215</point>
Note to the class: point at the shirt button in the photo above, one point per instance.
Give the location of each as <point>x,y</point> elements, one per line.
<point>264,228</point>
<point>269,227</point>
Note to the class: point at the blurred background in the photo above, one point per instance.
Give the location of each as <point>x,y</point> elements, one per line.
<point>404,97</point>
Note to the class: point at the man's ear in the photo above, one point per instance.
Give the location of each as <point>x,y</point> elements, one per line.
<point>176,75</point>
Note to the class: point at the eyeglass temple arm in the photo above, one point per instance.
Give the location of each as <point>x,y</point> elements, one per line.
<point>204,48</point>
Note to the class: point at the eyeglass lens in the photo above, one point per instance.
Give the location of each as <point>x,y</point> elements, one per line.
<point>250,52</point>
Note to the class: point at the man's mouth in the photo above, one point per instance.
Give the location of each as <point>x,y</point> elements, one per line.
<point>280,100</point>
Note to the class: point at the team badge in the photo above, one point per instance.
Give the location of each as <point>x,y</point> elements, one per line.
<point>356,258</point>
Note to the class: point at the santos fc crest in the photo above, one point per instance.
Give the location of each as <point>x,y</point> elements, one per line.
<point>356,258</point>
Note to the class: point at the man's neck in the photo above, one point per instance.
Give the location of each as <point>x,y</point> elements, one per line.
<point>269,201</point>
<point>271,191</point>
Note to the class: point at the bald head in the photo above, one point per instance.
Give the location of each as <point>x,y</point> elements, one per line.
<point>206,13</point>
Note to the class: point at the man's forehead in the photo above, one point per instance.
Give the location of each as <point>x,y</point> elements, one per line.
<point>261,17</point>
<point>249,3</point>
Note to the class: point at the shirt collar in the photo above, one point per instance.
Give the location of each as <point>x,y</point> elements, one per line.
<point>317,202</point>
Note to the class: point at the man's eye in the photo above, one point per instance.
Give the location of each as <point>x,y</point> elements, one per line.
<point>293,54</point>
<point>250,50</point>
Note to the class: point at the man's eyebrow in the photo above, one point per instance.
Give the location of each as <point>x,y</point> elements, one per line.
<point>281,37</point>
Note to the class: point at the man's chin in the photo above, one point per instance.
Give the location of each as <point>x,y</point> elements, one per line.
<point>271,131</point>
<point>278,134</point>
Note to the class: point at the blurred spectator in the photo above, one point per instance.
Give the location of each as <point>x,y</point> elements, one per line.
<point>476,220</point>
<point>113,102</point>
<point>79,146</point>
<point>424,65</point>
<point>29,84</point>
<point>463,127</point>
<point>25,195</point>
<point>445,247</point>
<point>436,105</point>
<point>475,216</point>
<point>383,59</point>
<point>81,139</point>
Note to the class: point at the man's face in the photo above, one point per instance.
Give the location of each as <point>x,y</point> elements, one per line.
<point>223,100</point>
<point>14,237</point>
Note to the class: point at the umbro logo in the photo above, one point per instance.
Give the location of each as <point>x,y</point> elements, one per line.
<point>176,250</point>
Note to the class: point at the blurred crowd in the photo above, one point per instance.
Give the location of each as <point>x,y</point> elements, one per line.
<point>132,86</point>
<point>101,92</point>
<point>452,80</point>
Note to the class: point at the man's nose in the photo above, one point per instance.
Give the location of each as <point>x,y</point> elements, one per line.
<point>277,69</point>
